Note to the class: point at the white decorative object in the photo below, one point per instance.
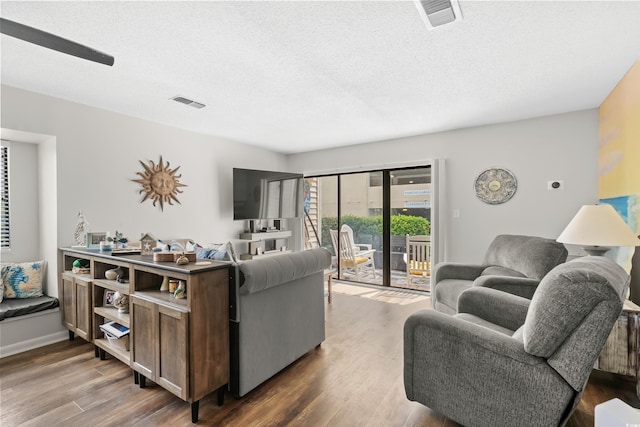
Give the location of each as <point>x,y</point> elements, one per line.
<point>81,228</point>
<point>111,274</point>
<point>121,302</point>
<point>616,413</point>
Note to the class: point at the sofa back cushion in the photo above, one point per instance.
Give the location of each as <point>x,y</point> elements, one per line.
<point>263,273</point>
<point>532,256</point>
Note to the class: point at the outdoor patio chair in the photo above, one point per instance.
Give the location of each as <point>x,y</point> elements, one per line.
<point>349,258</point>
<point>418,257</point>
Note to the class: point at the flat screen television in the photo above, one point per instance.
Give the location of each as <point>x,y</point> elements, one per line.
<point>259,194</point>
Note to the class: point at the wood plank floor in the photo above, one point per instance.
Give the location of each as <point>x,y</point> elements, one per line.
<point>353,379</point>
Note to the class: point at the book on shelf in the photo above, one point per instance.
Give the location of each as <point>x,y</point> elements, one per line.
<point>114,329</point>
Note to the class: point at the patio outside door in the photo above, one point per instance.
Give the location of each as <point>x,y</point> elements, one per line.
<point>379,209</point>
<point>410,213</point>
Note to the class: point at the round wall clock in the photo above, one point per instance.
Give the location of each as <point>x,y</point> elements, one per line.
<point>495,186</point>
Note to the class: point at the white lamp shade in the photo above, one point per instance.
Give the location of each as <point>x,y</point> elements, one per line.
<point>598,225</point>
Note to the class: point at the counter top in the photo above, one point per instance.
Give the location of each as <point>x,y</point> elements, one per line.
<point>147,260</point>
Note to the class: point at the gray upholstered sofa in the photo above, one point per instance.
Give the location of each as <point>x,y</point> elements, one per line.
<point>512,263</point>
<point>277,314</point>
<point>506,360</point>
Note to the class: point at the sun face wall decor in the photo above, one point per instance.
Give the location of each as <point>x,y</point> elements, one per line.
<point>159,183</point>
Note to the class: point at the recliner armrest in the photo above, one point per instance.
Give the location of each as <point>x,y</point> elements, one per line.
<point>456,270</point>
<point>500,308</point>
<point>521,286</point>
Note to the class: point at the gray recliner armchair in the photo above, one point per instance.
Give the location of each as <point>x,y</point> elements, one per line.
<point>507,360</point>
<point>512,263</point>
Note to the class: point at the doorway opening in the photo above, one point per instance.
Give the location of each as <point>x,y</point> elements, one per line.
<point>369,221</point>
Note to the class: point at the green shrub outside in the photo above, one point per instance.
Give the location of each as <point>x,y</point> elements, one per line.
<point>367,230</point>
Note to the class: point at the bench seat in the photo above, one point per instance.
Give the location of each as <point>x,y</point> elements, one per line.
<point>20,307</point>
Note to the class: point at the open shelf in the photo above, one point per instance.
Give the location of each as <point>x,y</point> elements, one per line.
<point>163,298</point>
<point>117,352</point>
<point>112,313</point>
<point>112,285</point>
<point>279,234</point>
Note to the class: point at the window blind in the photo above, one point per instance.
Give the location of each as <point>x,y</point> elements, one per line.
<point>5,232</point>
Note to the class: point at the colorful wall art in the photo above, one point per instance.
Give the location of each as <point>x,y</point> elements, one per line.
<point>619,154</point>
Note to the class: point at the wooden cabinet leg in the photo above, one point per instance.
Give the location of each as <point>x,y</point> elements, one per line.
<point>136,377</point>
<point>96,351</point>
<point>71,335</point>
<point>143,380</point>
<point>221,395</point>
<point>103,354</point>
<point>194,411</point>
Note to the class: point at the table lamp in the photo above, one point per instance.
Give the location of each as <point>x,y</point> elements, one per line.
<point>597,228</point>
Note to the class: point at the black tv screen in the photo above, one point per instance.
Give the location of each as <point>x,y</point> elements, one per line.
<point>259,194</point>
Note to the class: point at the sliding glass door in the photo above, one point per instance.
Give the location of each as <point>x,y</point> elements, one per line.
<point>364,219</point>
<point>410,214</point>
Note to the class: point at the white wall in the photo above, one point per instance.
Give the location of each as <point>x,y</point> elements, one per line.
<point>97,156</point>
<point>559,147</point>
<point>98,152</point>
<point>24,203</point>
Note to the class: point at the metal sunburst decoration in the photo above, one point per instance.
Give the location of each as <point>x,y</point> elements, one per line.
<point>159,183</point>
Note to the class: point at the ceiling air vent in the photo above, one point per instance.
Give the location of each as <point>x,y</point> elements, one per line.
<point>435,13</point>
<point>189,102</point>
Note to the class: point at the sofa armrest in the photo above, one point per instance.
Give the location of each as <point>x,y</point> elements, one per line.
<point>456,270</point>
<point>264,273</point>
<point>500,308</point>
<point>521,286</point>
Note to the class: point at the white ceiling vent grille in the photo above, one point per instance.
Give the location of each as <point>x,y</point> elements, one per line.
<point>189,102</point>
<point>435,13</point>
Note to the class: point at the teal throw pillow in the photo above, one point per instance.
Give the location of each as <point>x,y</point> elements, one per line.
<point>22,280</point>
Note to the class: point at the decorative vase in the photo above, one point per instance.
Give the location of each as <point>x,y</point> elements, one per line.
<point>111,274</point>
<point>165,284</point>
<point>173,285</point>
<point>121,302</point>
<point>179,293</point>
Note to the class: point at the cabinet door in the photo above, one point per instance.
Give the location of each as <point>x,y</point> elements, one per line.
<point>172,363</point>
<point>83,308</point>
<point>68,303</point>
<point>143,337</point>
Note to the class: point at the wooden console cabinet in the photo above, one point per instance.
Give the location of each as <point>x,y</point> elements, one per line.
<point>180,344</point>
<point>75,294</point>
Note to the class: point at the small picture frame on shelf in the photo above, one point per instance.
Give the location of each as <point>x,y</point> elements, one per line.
<point>108,298</point>
<point>94,238</point>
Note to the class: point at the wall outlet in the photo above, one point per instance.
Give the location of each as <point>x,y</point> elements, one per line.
<point>557,184</point>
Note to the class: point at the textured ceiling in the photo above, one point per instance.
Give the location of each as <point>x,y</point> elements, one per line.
<point>297,76</point>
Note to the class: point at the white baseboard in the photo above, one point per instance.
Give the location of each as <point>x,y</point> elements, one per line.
<point>22,346</point>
